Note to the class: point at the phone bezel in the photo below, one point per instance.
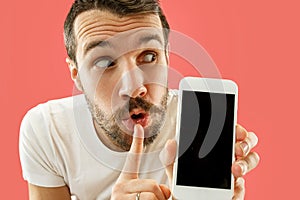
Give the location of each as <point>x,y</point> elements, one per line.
<point>204,85</point>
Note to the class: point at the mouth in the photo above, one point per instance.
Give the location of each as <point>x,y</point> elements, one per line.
<point>136,116</point>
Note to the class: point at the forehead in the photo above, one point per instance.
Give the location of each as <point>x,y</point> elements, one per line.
<point>103,25</point>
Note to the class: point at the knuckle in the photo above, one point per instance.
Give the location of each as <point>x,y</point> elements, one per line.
<point>244,166</point>
<point>239,189</point>
<point>240,182</point>
<point>137,145</point>
<point>154,187</point>
<point>238,150</point>
<point>132,159</point>
<point>248,142</point>
<point>245,147</point>
<point>139,142</point>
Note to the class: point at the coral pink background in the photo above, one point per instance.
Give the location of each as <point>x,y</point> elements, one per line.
<point>256,43</point>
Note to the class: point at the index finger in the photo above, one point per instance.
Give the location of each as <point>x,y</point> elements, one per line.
<point>133,160</point>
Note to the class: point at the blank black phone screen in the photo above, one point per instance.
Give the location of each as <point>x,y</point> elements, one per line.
<point>206,139</point>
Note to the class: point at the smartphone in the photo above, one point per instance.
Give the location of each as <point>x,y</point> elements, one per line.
<point>205,132</point>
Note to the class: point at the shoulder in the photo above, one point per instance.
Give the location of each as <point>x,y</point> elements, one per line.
<point>47,135</point>
<point>52,110</point>
<point>50,120</point>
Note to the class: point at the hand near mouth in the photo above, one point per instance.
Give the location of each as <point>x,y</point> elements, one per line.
<point>128,184</point>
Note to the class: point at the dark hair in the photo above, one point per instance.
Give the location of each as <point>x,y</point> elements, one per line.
<point>118,7</point>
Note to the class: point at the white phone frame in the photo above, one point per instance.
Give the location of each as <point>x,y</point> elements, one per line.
<point>204,85</point>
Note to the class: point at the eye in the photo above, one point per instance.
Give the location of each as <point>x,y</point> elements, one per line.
<point>148,57</point>
<point>105,62</point>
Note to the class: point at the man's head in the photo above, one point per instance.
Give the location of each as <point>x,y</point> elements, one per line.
<point>117,7</point>
<point>118,59</point>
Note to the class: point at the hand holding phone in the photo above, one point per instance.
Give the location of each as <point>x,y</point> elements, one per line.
<point>207,110</point>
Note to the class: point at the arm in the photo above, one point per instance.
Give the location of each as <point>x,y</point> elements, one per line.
<point>47,193</point>
<point>38,159</point>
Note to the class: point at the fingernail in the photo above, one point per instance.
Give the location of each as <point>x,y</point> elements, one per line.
<point>135,128</point>
<point>245,147</point>
<point>138,131</point>
<point>243,167</point>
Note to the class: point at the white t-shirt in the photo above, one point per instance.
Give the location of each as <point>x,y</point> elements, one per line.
<point>59,146</point>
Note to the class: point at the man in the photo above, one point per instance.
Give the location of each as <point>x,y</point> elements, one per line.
<point>77,146</point>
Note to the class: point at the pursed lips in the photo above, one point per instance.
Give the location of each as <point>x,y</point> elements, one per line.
<point>136,116</point>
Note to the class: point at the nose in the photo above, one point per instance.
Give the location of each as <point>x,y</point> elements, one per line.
<point>132,84</point>
<point>139,92</point>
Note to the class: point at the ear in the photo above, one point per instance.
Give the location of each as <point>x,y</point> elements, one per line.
<point>74,73</point>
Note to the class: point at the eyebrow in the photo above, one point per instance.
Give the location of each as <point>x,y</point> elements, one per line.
<point>148,38</point>
<point>101,43</point>
<point>95,44</point>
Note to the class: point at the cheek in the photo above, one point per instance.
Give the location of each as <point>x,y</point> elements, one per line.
<point>98,87</point>
<point>156,74</point>
<point>103,95</point>
<point>156,93</point>
<point>106,93</point>
<point>89,84</point>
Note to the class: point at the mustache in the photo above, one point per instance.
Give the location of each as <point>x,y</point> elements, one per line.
<point>136,103</point>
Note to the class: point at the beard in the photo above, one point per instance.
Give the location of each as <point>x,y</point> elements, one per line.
<point>113,127</point>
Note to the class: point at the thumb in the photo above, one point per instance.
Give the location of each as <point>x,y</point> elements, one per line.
<point>167,157</point>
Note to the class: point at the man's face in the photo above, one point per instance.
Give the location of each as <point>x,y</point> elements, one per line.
<point>122,70</point>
